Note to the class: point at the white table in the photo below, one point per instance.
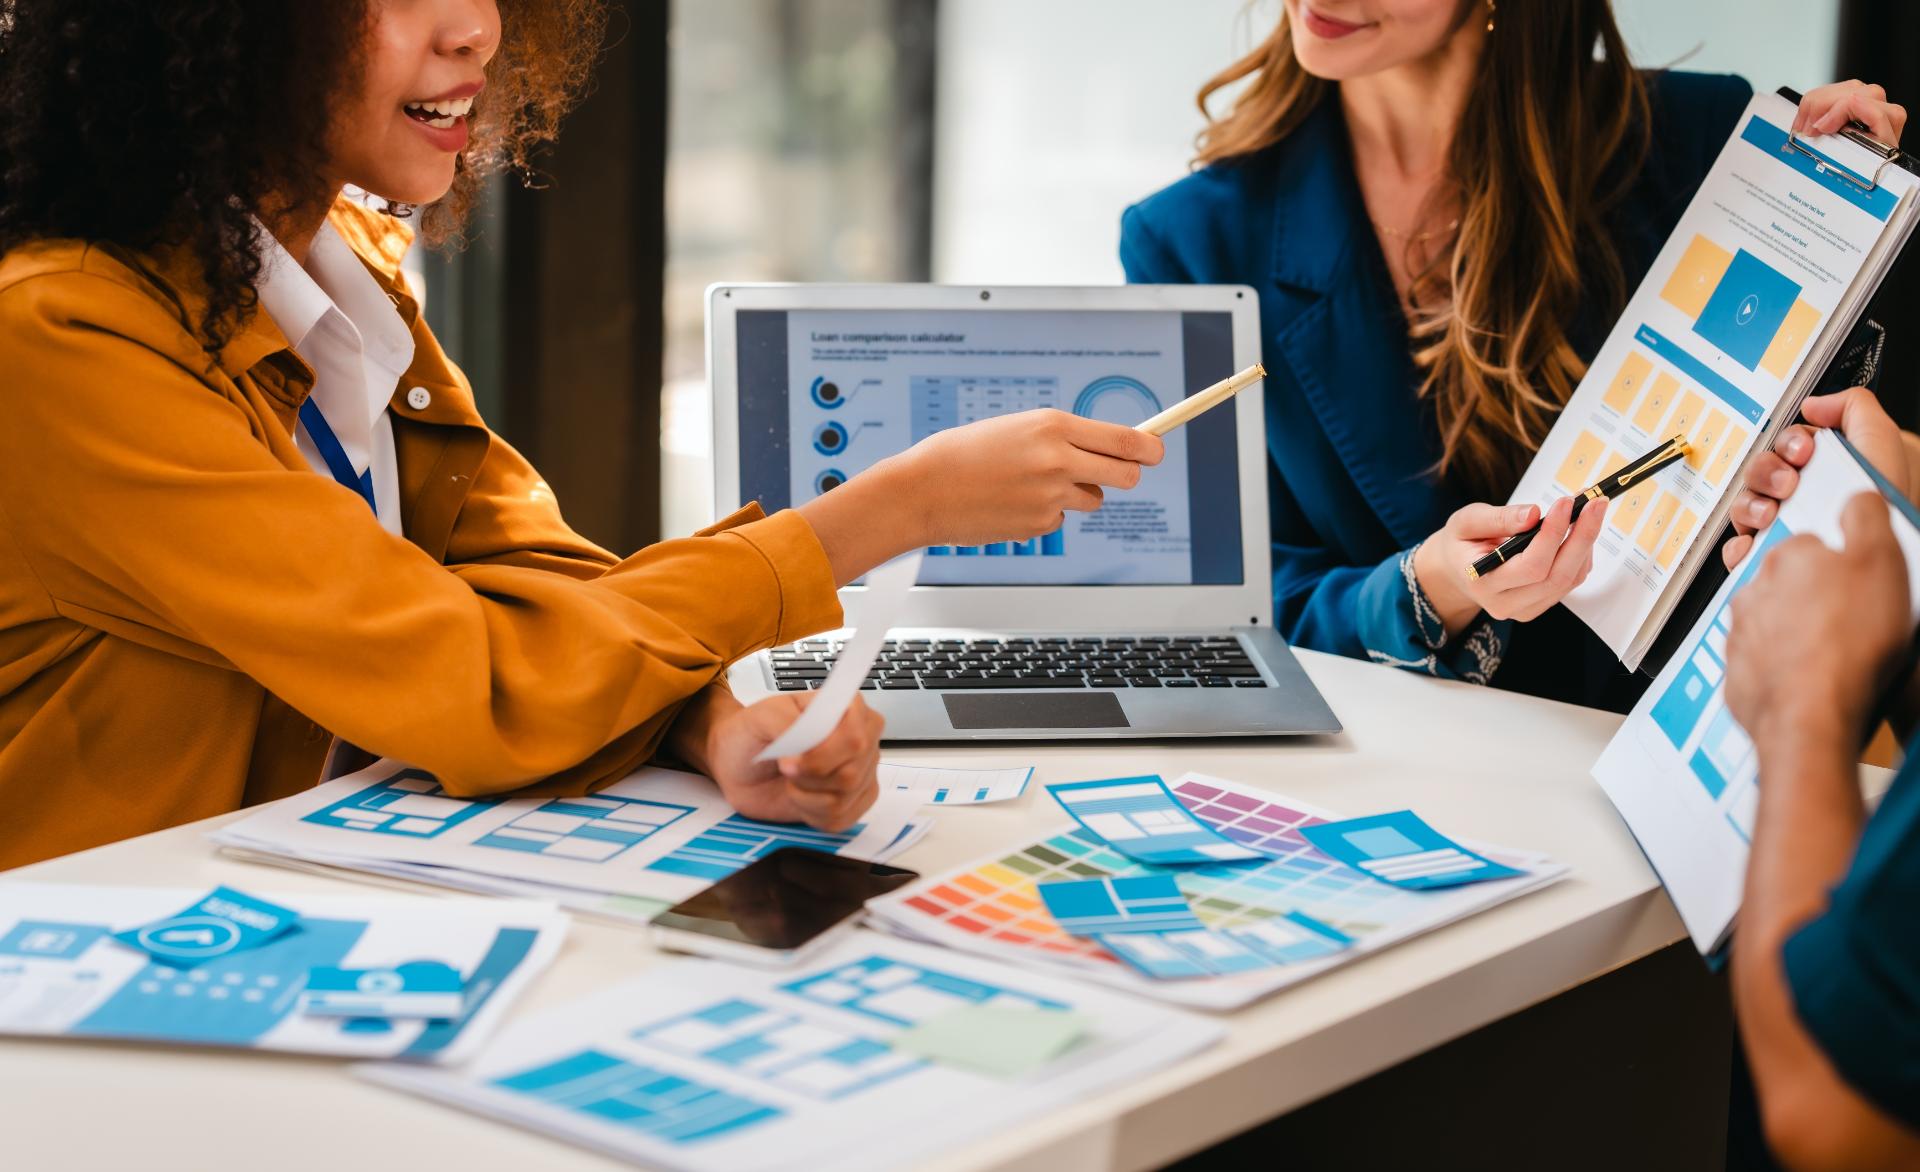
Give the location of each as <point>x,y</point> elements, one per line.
<point>1478,763</point>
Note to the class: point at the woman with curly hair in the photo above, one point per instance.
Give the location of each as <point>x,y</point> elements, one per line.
<point>247,506</point>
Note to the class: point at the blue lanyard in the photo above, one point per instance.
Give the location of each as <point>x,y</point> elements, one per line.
<point>335,455</point>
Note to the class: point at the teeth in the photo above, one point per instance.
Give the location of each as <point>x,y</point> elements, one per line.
<point>457,108</point>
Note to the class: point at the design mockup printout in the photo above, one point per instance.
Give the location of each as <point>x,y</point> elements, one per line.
<point>64,974</point>
<point>656,834</point>
<point>1681,771</point>
<point>698,1065</point>
<point>1743,308</point>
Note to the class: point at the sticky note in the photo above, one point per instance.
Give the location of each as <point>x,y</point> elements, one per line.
<point>222,922</point>
<point>1143,903</point>
<point>1005,1042</point>
<point>1400,849</point>
<point>417,988</point>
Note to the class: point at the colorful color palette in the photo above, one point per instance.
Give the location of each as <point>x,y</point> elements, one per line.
<point>1258,907</point>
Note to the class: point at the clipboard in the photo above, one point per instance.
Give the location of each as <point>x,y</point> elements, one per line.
<point>1857,364</point>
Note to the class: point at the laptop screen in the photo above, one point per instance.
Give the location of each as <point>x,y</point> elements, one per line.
<point>827,393</point>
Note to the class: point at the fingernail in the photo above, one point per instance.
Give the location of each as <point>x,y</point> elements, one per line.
<point>1778,481</point>
<point>1796,444</point>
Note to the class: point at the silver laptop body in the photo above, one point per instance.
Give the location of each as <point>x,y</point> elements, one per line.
<point>1150,618</point>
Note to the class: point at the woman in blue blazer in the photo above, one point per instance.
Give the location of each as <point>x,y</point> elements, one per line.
<point>1442,206</point>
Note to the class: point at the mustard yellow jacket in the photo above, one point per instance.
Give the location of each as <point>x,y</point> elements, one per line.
<point>189,615</point>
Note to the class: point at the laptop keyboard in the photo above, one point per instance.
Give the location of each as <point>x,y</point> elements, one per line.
<point>1115,661</point>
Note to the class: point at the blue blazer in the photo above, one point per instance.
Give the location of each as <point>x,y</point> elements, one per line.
<point>1350,445</point>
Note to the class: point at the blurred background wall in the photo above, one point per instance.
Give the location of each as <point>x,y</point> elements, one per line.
<point>884,140</point>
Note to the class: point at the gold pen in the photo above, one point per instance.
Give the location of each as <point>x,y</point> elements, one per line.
<point>1673,450</point>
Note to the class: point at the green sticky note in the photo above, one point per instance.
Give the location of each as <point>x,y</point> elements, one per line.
<point>1003,1042</point>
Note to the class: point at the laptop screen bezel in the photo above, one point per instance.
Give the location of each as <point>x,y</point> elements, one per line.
<point>1024,607</point>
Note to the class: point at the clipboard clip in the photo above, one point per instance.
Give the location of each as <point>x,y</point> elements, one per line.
<point>1888,156</point>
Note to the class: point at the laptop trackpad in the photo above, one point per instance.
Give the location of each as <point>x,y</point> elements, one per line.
<point>1028,710</point>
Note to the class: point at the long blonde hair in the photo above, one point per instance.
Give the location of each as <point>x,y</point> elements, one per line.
<point>1554,130</point>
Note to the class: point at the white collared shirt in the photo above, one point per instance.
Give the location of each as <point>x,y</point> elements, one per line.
<point>343,325</point>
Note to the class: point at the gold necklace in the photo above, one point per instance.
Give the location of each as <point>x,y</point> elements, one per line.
<point>1417,237</point>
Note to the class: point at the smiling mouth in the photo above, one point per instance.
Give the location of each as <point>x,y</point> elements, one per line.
<point>439,115</point>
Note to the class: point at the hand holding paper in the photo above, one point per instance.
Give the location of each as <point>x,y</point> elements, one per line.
<point>886,594</point>
<point>826,787</point>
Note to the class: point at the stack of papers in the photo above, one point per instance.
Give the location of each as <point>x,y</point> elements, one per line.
<point>705,1066</point>
<point>226,969</point>
<point>1286,913</point>
<point>655,837</point>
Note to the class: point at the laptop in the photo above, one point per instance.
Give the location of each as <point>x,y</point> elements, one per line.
<point>1149,618</point>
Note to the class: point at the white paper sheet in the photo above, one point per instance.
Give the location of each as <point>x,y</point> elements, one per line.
<point>944,786</point>
<point>703,1066</point>
<point>657,834</point>
<point>63,975</point>
<point>1732,320</point>
<point>1681,771</point>
<point>880,607</point>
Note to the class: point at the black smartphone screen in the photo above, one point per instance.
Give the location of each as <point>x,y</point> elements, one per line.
<point>786,898</point>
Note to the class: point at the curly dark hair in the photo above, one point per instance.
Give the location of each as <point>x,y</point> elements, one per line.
<point>172,123</point>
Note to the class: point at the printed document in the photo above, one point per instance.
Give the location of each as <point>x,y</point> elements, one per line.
<point>1743,309</point>
<point>1681,771</point>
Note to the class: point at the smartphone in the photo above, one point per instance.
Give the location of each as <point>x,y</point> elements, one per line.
<point>777,910</point>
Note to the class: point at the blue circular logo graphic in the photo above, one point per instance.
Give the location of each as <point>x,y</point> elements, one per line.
<point>190,937</point>
<point>829,480</point>
<point>829,439</point>
<point>827,394</point>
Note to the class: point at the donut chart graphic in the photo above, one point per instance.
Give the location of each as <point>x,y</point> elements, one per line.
<point>830,439</point>
<point>826,394</point>
<point>1116,395</point>
<point>828,480</point>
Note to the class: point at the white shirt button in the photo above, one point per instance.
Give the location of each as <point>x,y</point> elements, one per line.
<point>418,398</point>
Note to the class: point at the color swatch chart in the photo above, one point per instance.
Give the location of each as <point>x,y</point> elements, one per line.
<point>994,906</point>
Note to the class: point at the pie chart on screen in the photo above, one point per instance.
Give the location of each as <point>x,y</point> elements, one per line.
<point>1116,398</point>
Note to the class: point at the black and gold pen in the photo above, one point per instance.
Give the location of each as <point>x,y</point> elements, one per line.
<point>1673,450</point>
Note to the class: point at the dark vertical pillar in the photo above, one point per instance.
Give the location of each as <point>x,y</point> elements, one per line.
<point>1877,39</point>
<point>915,34</point>
<point>581,325</point>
